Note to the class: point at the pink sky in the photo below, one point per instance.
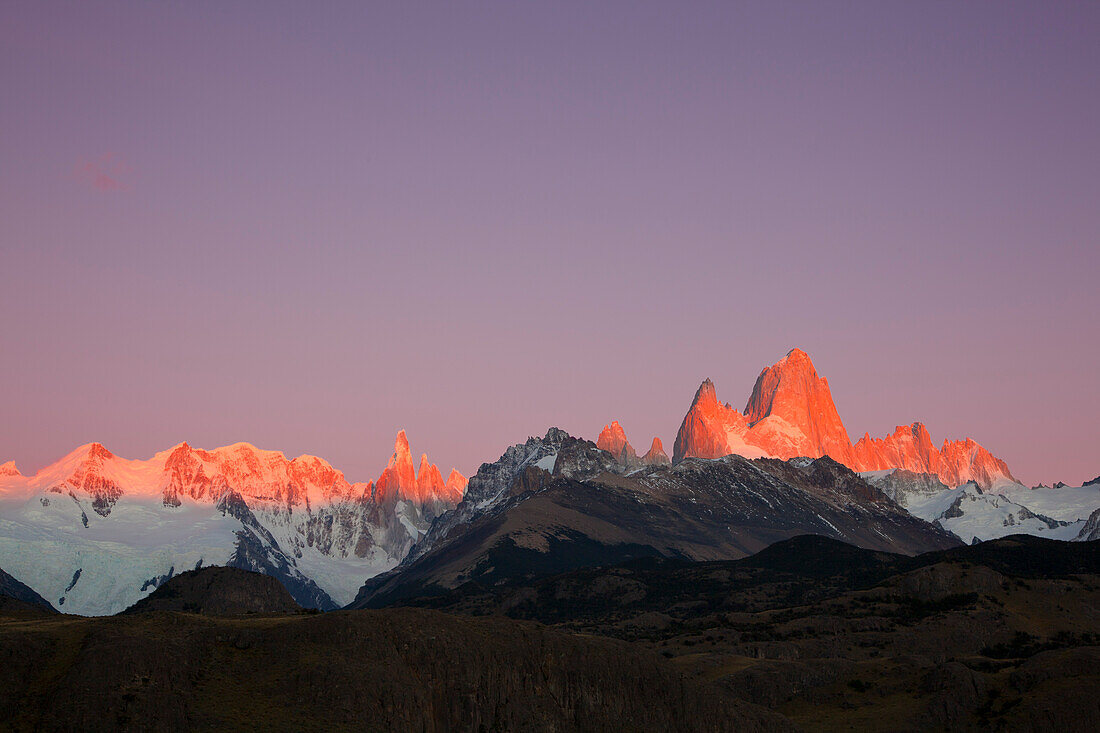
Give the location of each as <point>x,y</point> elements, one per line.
<point>307,229</point>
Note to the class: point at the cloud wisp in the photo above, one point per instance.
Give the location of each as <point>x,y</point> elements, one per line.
<point>108,172</point>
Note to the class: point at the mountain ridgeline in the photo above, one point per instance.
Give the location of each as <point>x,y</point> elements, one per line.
<point>93,533</point>
<point>790,413</point>
<point>557,503</point>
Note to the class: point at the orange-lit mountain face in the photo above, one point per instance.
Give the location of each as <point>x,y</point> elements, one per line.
<point>613,440</point>
<point>185,473</point>
<point>122,527</point>
<point>791,413</point>
<point>910,447</point>
<point>656,455</point>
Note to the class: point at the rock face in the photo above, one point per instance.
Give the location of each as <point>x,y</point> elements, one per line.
<point>219,591</point>
<point>791,413</point>
<point>907,487</point>
<point>95,532</point>
<point>711,429</point>
<point>613,440</point>
<point>910,448</point>
<point>656,455</point>
<point>398,480</point>
<point>456,486</point>
<point>1091,529</point>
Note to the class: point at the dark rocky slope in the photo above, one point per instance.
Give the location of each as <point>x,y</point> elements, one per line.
<point>15,596</point>
<point>521,521</point>
<point>219,591</point>
<point>1000,636</point>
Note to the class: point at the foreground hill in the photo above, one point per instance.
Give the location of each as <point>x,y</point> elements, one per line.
<point>558,503</point>
<point>402,669</point>
<point>798,571</point>
<point>809,634</point>
<point>219,591</point>
<point>999,636</point>
<point>14,595</point>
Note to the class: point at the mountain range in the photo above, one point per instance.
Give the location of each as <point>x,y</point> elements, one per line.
<point>93,532</point>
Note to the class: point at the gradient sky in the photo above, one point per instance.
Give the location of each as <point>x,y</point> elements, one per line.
<point>309,227</point>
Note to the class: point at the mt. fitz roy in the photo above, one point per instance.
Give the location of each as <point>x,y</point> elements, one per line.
<point>791,413</point>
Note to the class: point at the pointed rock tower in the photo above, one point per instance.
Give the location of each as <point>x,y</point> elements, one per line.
<point>613,440</point>
<point>398,480</point>
<point>656,455</point>
<point>791,412</point>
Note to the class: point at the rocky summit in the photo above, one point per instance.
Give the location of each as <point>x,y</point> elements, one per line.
<point>791,413</point>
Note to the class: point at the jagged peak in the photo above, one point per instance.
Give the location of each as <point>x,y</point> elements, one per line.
<point>614,427</point>
<point>456,485</point>
<point>98,450</point>
<point>795,370</point>
<point>612,432</point>
<point>401,457</point>
<point>9,469</point>
<point>706,393</point>
<point>555,434</point>
<point>656,453</point>
<point>613,440</point>
<point>80,455</point>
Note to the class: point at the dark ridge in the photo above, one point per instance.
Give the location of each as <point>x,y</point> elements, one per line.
<point>1025,556</point>
<point>800,570</point>
<point>15,596</point>
<point>816,556</point>
<point>219,591</point>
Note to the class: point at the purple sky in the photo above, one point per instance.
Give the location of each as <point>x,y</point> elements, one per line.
<point>307,229</point>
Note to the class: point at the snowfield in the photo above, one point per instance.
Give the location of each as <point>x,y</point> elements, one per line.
<point>1006,508</point>
<point>44,541</point>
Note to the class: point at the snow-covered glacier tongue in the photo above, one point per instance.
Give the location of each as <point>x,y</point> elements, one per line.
<point>93,532</point>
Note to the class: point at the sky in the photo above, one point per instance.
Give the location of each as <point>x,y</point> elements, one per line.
<point>307,226</point>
